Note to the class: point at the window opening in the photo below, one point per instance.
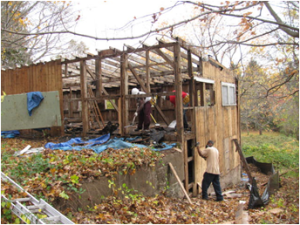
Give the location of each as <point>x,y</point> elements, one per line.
<point>108,104</point>
<point>205,94</point>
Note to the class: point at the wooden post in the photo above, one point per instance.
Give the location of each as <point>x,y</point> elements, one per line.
<point>179,109</point>
<point>202,94</point>
<point>124,92</point>
<point>180,183</point>
<point>84,104</point>
<point>70,111</point>
<point>147,72</point>
<point>178,93</point>
<point>200,67</point>
<point>98,71</point>
<point>192,80</point>
<point>244,162</point>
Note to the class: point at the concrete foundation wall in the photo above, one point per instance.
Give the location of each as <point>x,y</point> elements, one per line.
<point>147,181</point>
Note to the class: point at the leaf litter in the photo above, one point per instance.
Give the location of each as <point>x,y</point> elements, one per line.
<point>48,174</point>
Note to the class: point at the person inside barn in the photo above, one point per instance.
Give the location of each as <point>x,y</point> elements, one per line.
<point>212,173</point>
<point>185,102</point>
<point>143,111</point>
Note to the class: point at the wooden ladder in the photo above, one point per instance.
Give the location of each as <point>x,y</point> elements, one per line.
<point>94,106</point>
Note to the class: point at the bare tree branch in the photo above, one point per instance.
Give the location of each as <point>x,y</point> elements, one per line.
<point>280,23</point>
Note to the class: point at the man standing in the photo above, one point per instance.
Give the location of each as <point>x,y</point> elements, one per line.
<point>185,101</point>
<point>143,111</point>
<point>212,173</point>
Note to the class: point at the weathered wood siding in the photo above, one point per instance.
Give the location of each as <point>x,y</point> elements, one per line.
<point>41,77</point>
<point>218,123</point>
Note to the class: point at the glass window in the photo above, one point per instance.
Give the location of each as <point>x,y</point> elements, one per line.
<point>228,94</point>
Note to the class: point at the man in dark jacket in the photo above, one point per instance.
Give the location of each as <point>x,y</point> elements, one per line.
<point>143,111</point>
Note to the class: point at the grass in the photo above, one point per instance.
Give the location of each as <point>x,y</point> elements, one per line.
<point>271,147</point>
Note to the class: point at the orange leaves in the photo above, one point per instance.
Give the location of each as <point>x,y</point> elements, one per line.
<point>247,14</point>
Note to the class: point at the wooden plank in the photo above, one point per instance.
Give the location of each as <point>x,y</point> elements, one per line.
<point>244,162</point>
<point>90,72</point>
<point>165,57</point>
<point>141,83</point>
<point>180,183</point>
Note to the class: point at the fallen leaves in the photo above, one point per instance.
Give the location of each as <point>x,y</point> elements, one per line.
<point>54,173</point>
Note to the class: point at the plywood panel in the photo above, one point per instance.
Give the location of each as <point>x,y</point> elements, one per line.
<point>41,77</point>
<point>14,113</point>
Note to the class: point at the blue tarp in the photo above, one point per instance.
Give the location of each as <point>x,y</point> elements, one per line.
<point>33,100</point>
<point>100,144</point>
<point>71,144</point>
<point>9,134</point>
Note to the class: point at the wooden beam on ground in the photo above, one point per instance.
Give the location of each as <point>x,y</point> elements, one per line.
<point>180,183</point>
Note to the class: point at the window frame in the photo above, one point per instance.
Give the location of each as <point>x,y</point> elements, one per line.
<point>230,101</point>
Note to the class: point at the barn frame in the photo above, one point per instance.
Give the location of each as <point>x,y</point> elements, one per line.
<point>86,84</point>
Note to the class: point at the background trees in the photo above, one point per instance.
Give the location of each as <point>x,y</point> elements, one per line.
<point>27,30</point>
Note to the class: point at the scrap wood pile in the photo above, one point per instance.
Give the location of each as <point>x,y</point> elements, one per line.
<point>66,168</point>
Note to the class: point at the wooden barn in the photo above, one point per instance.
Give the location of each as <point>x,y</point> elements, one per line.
<point>95,89</point>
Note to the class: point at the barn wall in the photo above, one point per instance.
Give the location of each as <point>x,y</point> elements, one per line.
<point>43,77</point>
<point>220,124</point>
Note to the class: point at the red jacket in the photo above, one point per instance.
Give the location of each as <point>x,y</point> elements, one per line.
<point>173,97</point>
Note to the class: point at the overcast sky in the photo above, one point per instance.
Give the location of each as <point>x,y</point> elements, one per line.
<point>112,18</point>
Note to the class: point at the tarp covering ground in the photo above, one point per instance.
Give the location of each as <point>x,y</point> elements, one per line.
<point>102,143</point>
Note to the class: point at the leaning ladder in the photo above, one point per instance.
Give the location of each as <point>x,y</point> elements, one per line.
<point>25,208</point>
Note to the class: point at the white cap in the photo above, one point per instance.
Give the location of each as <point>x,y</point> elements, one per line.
<point>163,97</point>
<point>135,91</point>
